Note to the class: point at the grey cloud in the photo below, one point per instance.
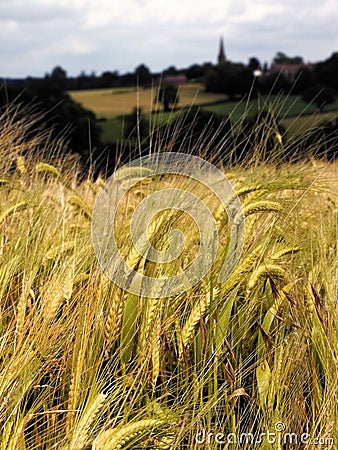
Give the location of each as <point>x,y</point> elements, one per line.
<point>50,34</point>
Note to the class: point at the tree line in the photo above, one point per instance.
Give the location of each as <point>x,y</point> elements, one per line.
<point>236,80</point>
<point>227,77</point>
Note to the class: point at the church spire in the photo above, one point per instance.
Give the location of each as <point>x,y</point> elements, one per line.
<point>221,54</point>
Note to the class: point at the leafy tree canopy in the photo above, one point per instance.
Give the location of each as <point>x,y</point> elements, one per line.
<point>282,58</point>
<point>168,96</point>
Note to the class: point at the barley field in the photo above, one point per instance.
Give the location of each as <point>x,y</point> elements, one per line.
<point>86,364</point>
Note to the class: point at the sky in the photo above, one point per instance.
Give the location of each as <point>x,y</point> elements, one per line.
<point>101,35</point>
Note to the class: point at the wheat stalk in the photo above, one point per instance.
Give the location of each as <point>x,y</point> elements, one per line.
<point>80,433</point>
<point>17,438</point>
<point>155,350</point>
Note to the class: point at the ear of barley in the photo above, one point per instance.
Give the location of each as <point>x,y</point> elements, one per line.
<point>132,172</point>
<point>47,168</point>
<point>118,437</point>
<point>12,209</point>
<point>284,251</point>
<point>71,403</point>
<point>151,310</point>
<point>309,300</point>
<point>75,387</point>
<point>80,205</point>
<point>243,190</point>
<point>114,317</point>
<point>261,206</point>
<point>265,270</point>
<point>143,243</point>
<point>79,278</point>
<point>21,311</point>
<point>250,222</point>
<point>58,290</point>
<point>98,185</point>
<point>20,165</point>
<point>55,251</point>
<point>67,280</point>
<point>80,433</point>
<point>165,442</point>
<point>241,269</point>
<point>100,182</point>
<point>198,311</point>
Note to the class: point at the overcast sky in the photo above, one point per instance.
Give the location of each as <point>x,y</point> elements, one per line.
<point>99,35</point>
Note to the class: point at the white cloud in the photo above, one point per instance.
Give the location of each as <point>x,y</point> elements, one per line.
<point>115,34</point>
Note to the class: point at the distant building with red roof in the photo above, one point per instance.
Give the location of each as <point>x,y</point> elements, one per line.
<point>290,70</point>
<point>174,79</point>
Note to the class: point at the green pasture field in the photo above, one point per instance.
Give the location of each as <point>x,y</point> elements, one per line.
<point>300,124</point>
<point>282,106</point>
<point>112,105</point>
<point>112,127</point>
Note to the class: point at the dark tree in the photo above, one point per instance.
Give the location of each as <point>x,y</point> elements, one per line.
<point>319,95</point>
<point>235,80</point>
<point>143,75</point>
<point>254,64</point>
<point>58,78</point>
<point>60,114</point>
<point>282,58</point>
<point>108,79</point>
<point>58,73</point>
<point>197,71</point>
<point>327,71</point>
<point>274,83</point>
<point>171,70</point>
<point>168,96</point>
<point>212,81</point>
<point>305,79</point>
<point>136,126</point>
